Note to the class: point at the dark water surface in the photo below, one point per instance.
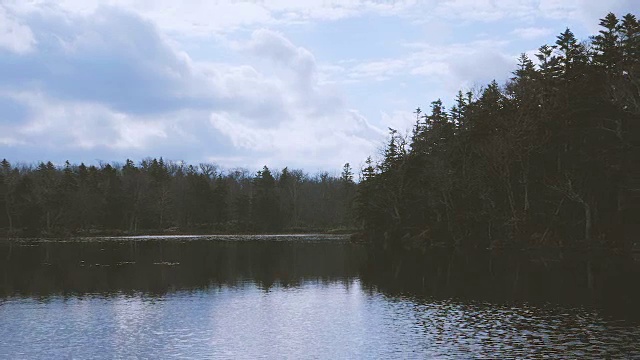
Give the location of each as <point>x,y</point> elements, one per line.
<point>305,297</point>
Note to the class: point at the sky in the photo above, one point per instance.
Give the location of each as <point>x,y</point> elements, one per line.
<point>306,84</point>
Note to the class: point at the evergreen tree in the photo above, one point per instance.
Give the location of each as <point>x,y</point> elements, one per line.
<point>266,203</point>
<point>544,160</point>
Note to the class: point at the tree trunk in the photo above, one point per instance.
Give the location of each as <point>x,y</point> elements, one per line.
<point>9,216</point>
<point>525,181</point>
<point>448,212</point>
<point>526,197</point>
<point>509,189</point>
<point>516,279</point>
<point>512,205</point>
<point>133,222</point>
<point>294,199</point>
<point>590,277</point>
<point>555,214</point>
<point>587,222</point>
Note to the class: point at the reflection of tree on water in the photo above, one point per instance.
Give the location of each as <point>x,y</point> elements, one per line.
<point>577,278</point>
<point>160,266</point>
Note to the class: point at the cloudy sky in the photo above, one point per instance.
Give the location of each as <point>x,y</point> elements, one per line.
<point>309,84</point>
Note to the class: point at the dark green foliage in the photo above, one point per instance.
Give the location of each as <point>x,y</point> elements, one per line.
<point>164,196</point>
<point>266,202</point>
<point>548,159</point>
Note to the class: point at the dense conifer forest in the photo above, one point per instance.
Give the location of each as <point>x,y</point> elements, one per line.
<point>155,196</point>
<point>548,159</point>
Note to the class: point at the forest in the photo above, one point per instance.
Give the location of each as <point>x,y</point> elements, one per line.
<point>157,196</point>
<point>548,159</point>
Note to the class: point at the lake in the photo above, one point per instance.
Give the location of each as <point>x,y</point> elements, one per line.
<point>299,297</point>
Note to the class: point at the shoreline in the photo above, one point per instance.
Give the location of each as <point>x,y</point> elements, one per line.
<point>302,237</point>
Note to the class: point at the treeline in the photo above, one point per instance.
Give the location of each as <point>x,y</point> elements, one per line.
<point>166,196</point>
<point>550,158</point>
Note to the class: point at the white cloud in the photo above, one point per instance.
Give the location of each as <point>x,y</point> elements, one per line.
<point>14,36</point>
<point>378,70</point>
<point>530,33</point>
<point>590,11</point>
<point>294,68</point>
<point>402,120</point>
<point>586,12</point>
<point>204,18</point>
<point>54,123</point>
<point>198,18</point>
<point>7,141</point>
<point>318,126</point>
<point>329,141</point>
<point>241,134</point>
<point>274,46</point>
<point>558,9</point>
<point>485,10</point>
<point>455,65</point>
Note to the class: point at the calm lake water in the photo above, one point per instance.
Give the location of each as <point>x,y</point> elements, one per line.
<point>286,297</point>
